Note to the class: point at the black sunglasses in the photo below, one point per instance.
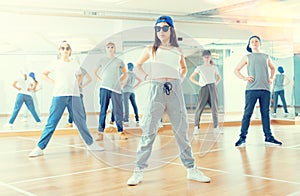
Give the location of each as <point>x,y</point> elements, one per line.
<point>67,48</point>
<point>164,28</point>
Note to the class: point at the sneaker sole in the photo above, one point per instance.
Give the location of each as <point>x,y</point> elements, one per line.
<point>241,146</point>
<point>32,156</point>
<point>131,184</point>
<point>272,144</point>
<point>204,181</point>
<point>96,149</point>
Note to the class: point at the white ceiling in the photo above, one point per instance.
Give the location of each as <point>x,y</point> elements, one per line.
<point>37,25</point>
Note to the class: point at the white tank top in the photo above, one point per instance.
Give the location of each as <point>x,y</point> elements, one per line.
<point>165,64</point>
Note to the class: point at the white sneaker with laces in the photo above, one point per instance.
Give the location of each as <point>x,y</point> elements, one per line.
<point>196,131</point>
<point>136,178</point>
<point>36,152</point>
<point>94,147</point>
<point>195,174</point>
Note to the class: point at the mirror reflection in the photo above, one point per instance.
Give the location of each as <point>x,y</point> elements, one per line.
<point>225,53</point>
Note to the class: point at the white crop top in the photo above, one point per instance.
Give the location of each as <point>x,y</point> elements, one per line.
<point>165,64</point>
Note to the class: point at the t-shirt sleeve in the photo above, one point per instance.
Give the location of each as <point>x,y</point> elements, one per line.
<point>217,70</point>
<point>197,70</point>
<point>78,69</point>
<point>50,67</point>
<point>83,71</point>
<point>122,64</point>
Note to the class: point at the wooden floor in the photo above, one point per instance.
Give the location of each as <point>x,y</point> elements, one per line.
<point>67,168</point>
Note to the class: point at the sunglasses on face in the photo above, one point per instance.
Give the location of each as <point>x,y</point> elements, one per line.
<point>164,28</point>
<point>65,48</point>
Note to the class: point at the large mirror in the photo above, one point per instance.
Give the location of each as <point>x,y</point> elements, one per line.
<point>33,46</point>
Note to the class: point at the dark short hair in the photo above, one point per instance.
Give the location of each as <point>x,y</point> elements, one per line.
<point>206,52</point>
<point>248,47</point>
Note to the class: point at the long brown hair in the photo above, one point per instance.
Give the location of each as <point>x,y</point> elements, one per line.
<point>157,42</point>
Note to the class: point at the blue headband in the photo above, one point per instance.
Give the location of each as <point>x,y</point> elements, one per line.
<point>31,74</point>
<point>166,19</point>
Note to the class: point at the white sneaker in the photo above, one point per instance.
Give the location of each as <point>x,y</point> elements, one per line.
<point>8,125</point>
<point>136,177</point>
<point>38,124</point>
<point>36,152</point>
<point>195,174</point>
<point>126,124</point>
<point>69,125</point>
<point>160,125</point>
<point>274,115</point>
<point>196,131</point>
<point>137,123</point>
<point>218,130</point>
<point>95,147</point>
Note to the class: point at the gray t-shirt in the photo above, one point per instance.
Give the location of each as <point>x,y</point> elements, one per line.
<point>130,82</point>
<point>258,68</point>
<point>278,83</point>
<point>110,72</point>
<point>208,72</point>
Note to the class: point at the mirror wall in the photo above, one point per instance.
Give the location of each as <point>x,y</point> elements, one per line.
<point>33,45</point>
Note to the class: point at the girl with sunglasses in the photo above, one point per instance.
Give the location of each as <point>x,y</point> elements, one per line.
<point>168,69</point>
<point>66,93</point>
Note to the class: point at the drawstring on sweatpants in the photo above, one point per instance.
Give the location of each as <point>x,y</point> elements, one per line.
<point>167,88</point>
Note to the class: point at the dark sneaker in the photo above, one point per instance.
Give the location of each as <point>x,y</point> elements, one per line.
<point>241,142</point>
<point>272,141</point>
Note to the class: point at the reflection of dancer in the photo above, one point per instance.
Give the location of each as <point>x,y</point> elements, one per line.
<point>128,94</point>
<point>293,95</point>
<point>165,95</point>
<point>66,92</point>
<point>210,76</point>
<point>36,88</point>
<point>84,80</point>
<point>24,85</point>
<point>280,81</point>
<point>258,88</point>
<point>110,67</point>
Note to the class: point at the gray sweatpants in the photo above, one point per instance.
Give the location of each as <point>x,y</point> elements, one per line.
<point>173,104</point>
<point>207,94</point>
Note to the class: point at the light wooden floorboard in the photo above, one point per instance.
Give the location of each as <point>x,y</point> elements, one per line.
<point>67,168</point>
